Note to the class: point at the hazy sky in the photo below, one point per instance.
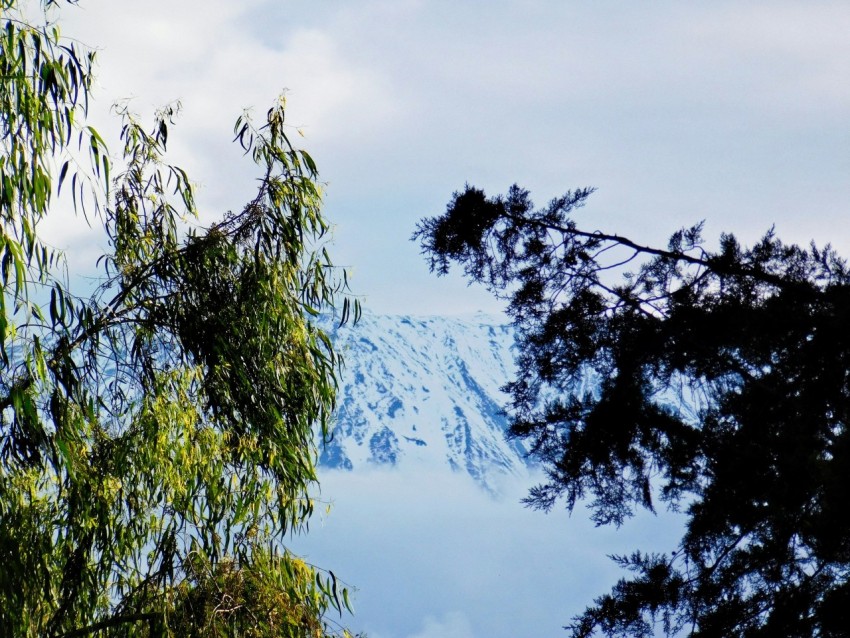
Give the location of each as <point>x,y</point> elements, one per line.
<point>434,556</point>
<point>732,112</point>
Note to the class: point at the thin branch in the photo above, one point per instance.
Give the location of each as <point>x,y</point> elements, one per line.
<point>713,264</point>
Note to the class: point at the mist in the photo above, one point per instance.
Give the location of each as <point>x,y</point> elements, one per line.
<point>432,554</point>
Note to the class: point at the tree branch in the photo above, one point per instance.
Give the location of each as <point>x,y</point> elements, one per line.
<point>713,264</point>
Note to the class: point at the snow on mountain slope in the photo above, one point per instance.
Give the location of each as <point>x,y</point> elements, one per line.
<point>425,390</point>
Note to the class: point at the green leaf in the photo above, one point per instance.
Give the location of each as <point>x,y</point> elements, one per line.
<point>65,453</point>
<point>62,175</point>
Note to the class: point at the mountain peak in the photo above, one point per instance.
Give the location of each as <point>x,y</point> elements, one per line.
<point>425,390</point>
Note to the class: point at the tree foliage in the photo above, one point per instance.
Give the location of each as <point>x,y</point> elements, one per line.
<point>722,389</point>
<point>156,436</point>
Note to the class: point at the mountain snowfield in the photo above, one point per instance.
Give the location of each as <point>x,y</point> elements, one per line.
<point>423,492</point>
<point>425,391</point>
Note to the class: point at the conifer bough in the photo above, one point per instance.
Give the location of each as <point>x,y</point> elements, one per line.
<point>756,450</point>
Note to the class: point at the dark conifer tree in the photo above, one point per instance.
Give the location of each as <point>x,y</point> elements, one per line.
<point>754,342</point>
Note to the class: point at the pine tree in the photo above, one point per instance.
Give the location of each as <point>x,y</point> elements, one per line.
<point>724,391</point>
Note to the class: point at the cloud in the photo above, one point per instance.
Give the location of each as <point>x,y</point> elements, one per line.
<point>208,56</point>
<point>794,56</point>
<point>677,112</point>
<point>423,544</point>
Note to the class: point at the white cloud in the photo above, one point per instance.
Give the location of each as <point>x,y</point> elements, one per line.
<point>678,112</point>
<point>422,544</point>
<point>782,58</point>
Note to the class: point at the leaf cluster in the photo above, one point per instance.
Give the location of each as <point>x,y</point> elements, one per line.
<point>157,434</point>
<point>277,594</point>
<point>44,86</point>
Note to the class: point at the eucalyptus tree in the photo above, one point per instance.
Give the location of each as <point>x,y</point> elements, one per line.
<point>156,435</point>
<point>723,391</point>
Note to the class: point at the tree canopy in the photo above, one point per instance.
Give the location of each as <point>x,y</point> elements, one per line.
<point>156,435</point>
<point>722,388</point>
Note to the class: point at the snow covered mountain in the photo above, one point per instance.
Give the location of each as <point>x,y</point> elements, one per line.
<point>425,390</point>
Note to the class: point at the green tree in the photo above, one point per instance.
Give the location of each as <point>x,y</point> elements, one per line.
<point>156,435</point>
<point>722,389</point>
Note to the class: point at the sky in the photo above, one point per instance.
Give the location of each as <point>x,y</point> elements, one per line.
<point>730,112</point>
